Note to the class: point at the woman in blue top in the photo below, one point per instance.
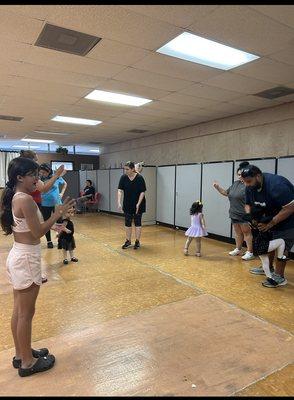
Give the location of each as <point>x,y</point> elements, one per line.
<point>51,198</point>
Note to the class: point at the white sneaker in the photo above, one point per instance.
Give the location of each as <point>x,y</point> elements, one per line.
<point>235,252</point>
<point>248,256</point>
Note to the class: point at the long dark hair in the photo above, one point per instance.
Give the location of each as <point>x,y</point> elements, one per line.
<point>18,166</point>
<point>196,208</point>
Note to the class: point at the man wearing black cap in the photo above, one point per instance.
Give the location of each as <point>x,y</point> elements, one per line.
<point>275,194</point>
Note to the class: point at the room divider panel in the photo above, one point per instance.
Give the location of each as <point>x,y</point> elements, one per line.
<point>188,188</point>
<point>115,175</point>
<point>103,176</point>
<point>216,206</point>
<point>165,202</point>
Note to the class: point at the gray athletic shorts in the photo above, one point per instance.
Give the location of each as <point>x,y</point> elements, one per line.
<point>287,235</point>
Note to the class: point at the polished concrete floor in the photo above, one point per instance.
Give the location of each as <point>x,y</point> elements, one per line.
<point>153,322</point>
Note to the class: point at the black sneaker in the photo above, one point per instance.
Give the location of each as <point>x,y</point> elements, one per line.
<point>136,245</point>
<point>65,261</point>
<point>126,245</point>
<point>50,245</point>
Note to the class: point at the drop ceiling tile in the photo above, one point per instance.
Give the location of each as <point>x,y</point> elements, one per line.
<point>87,112</point>
<point>115,23</point>
<point>117,52</point>
<point>51,74</point>
<point>281,13</point>
<point>132,89</point>
<point>285,56</point>
<point>244,28</point>
<point>254,101</point>
<point>71,62</point>
<point>240,83</point>
<point>267,70</point>
<point>30,11</point>
<point>39,95</point>
<point>160,113</point>
<point>179,15</point>
<point>209,92</point>
<point>174,67</point>
<point>231,108</point>
<point>189,100</point>
<point>140,117</point>
<point>172,107</point>
<point>12,50</point>
<point>151,79</point>
<point>25,30</point>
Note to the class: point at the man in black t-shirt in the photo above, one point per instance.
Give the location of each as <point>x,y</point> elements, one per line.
<point>132,186</point>
<point>89,194</point>
<point>275,195</point>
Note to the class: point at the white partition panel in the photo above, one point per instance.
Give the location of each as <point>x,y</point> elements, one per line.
<point>286,169</point>
<point>91,174</point>
<point>266,165</point>
<point>165,194</point>
<point>115,175</point>
<point>149,175</point>
<point>83,178</point>
<point>216,206</point>
<point>103,189</point>
<point>188,181</point>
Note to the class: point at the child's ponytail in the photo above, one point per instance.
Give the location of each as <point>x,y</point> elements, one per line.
<point>6,208</point>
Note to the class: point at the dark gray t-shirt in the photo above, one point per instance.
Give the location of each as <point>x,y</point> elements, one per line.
<point>236,195</point>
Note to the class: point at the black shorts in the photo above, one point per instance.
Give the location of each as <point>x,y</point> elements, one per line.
<point>287,235</point>
<point>137,219</point>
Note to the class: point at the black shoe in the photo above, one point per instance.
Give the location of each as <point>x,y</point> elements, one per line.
<point>36,354</point>
<point>50,245</point>
<point>42,364</point>
<point>126,245</point>
<point>136,245</point>
<point>44,280</point>
<point>65,261</point>
<point>74,259</point>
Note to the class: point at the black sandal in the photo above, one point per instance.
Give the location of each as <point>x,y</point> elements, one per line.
<point>41,365</point>
<point>16,362</point>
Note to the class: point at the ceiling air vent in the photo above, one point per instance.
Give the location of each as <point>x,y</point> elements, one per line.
<point>275,92</point>
<point>137,130</point>
<point>10,118</point>
<point>66,40</point>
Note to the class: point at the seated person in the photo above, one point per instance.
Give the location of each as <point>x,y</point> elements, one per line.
<point>89,193</point>
<point>263,242</point>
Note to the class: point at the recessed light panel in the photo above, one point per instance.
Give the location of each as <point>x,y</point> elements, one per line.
<point>73,120</point>
<point>117,98</point>
<point>16,146</point>
<point>37,140</point>
<point>52,133</point>
<point>95,150</point>
<point>206,52</point>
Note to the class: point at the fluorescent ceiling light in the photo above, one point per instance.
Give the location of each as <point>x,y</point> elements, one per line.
<point>37,140</point>
<point>24,147</point>
<point>72,120</point>
<point>52,133</point>
<point>111,97</point>
<point>95,150</point>
<point>204,51</point>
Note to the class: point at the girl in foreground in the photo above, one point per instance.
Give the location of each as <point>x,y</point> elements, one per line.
<point>21,216</point>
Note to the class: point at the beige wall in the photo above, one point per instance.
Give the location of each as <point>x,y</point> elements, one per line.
<point>264,133</point>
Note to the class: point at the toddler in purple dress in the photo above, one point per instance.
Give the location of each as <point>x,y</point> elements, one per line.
<point>197,228</point>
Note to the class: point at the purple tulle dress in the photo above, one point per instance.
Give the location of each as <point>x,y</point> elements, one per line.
<point>196,229</point>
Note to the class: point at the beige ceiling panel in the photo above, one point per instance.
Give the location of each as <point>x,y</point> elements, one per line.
<point>151,79</point>
<point>54,98</point>
<point>179,15</point>
<point>25,30</point>
<point>132,89</point>
<point>172,107</point>
<point>284,56</point>
<point>174,67</point>
<point>254,101</point>
<point>240,83</point>
<point>231,108</point>
<point>70,62</point>
<point>140,118</point>
<point>86,112</point>
<point>12,50</point>
<point>268,70</point>
<point>209,92</point>
<point>281,13</point>
<point>31,11</point>
<point>114,22</point>
<point>245,29</point>
<point>117,52</point>
<point>48,74</point>
<point>189,100</point>
<point>160,113</point>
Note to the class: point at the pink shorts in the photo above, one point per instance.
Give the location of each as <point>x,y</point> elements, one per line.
<point>24,265</point>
